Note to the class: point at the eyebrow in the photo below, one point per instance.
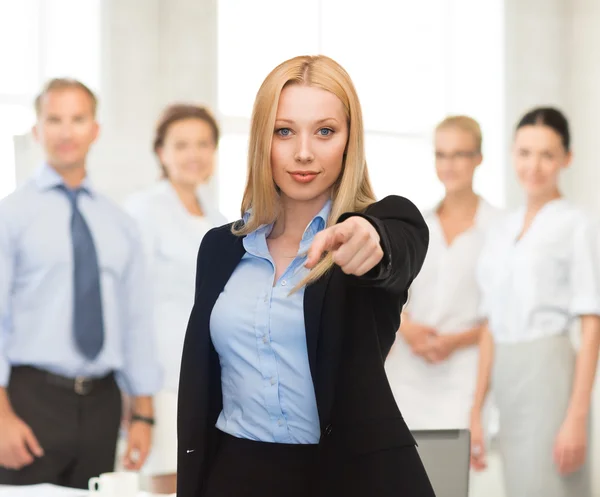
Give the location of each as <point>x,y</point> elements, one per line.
<point>320,121</point>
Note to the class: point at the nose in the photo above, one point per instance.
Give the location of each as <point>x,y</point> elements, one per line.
<point>66,131</point>
<point>304,153</point>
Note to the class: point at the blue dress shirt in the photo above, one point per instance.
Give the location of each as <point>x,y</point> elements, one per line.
<point>36,287</point>
<point>258,331</point>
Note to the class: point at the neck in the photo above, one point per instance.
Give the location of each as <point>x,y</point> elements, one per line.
<point>459,203</point>
<point>72,176</point>
<point>535,203</point>
<point>187,194</point>
<point>296,216</point>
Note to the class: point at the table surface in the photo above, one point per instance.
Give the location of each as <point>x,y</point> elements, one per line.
<point>47,490</point>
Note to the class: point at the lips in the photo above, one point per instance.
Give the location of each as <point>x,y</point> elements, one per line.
<point>303,176</point>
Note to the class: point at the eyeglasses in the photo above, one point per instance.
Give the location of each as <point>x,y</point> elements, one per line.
<point>461,155</point>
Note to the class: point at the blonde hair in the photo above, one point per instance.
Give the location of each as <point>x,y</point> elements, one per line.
<point>58,84</point>
<point>464,123</point>
<point>352,192</point>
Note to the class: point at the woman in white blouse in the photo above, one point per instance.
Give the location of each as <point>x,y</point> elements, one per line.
<point>538,272</point>
<point>433,363</point>
<point>174,215</point>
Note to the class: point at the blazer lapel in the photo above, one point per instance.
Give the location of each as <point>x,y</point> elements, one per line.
<point>229,257</point>
<point>313,305</point>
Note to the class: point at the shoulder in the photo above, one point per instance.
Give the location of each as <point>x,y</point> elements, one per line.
<point>572,212</point>
<point>20,205</point>
<point>116,214</point>
<point>18,197</point>
<point>145,201</point>
<point>219,238</point>
<point>580,221</point>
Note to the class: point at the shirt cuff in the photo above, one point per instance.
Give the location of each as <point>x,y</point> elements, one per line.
<point>142,386</point>
<point>4,373</point>
<point>584,305</point>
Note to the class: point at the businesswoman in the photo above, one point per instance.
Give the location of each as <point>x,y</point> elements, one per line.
<point>432,366</point>
<point>283,389</point>
<point>539,272</point>
<point>174,215</point>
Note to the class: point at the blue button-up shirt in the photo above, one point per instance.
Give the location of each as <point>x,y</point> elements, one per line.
<point>258,331</point>
<point>36,287</point>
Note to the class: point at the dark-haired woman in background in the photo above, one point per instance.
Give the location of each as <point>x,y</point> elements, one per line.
<point>538,272</point>
<point>174,215</point>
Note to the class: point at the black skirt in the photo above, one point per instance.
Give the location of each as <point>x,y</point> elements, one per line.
<point>246,468</point>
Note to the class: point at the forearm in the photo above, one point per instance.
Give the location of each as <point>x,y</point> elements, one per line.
<point>468,338</point>
<point>486,359</point>
<point>143,406</point>
<point>405,323</point>
<point>5,405</point>
<point>585,368</point>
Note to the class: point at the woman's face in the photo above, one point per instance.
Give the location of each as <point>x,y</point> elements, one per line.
<point>539,156</point>
<point>309,141</point>
<point>188,152</point>
<point>457,156</point>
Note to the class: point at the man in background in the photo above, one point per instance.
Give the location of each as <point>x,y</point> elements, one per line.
<point>74,312</point>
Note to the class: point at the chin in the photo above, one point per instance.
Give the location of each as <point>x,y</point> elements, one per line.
<point>304,194</point>
<point>68,163</point>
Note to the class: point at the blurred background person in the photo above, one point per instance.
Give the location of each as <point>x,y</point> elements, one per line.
<point>432,366</point>
<point>174,215</point>
<point>539,271</point>
<point>73,312</point>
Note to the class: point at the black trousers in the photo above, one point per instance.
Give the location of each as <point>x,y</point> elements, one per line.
<point>77,427</point>
<point>245,468</point>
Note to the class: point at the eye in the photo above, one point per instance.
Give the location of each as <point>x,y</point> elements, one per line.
<point>283,132</point>
<point>325,132</point>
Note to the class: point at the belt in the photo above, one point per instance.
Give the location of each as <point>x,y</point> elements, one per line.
<point>81,385</point>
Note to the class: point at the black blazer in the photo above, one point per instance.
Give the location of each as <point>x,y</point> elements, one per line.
<point>351,324</point>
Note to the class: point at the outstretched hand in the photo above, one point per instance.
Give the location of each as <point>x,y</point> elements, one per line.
<point>353,243</point>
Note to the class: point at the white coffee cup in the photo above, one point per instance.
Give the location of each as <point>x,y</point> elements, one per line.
<point>119,484</point>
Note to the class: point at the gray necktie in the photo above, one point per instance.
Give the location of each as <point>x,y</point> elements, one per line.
<point>88,323</point>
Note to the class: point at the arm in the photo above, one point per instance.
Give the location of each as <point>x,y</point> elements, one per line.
<point>443,346</point>
<point>6,281</point>
<point>571,442</point>
<point>18,445</point>
<point>486,359</point>
<point>585,369</point>
<point>141,373</point>
<point>417,336</point>
<point>404,238</point>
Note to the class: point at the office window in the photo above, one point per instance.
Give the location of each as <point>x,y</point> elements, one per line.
<point>41,40</point>
<point>412,64</point>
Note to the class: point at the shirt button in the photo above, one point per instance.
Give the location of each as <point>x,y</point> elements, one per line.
<point>265,339</point>
<point>266,299</point>
<point>280,422</point>
<point>273,381</point>
<point>283,282</point>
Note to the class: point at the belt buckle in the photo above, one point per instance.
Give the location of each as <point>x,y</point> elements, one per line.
<point>82,385</point>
